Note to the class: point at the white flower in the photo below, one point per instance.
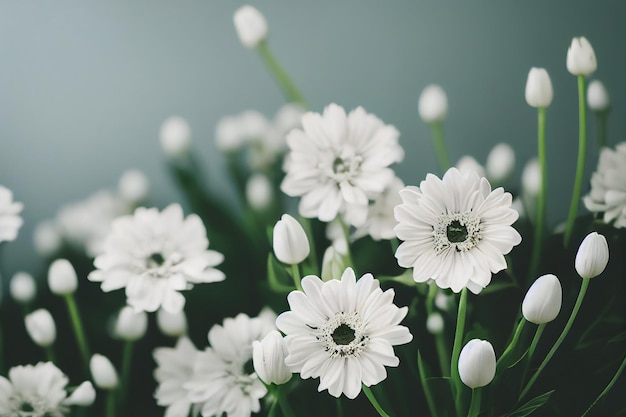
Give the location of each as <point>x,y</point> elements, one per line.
<point>251,26</point>
<point>597,96</point>
<point>103,372</point>
<point>175,136</point>
<point>538,92</point>
<point>477,363</point>
<point>608,186</point>
<point>434,323</point>
<point>174,369</point>
<point>259,192</point>
<point>338,162</point>
<point>84,395</point>
<point>456,230</point>
<point>592,256</point>
<point>133,186</point>
<point>172,324</point>
<point>290,243</point>
<point>433,104</point>
<point>155,255</point>
<point>40,327</point>
<point>233,132</point>
<point>542,302</point>
<point>268,357</point>
<point>500,163</point>
<point>581,59</point>
<point>62,278</point>
<point>47,239</point>
<point>223,378</point>
<point>23,288</point>
<point>443,301</point>
<point>342,331</point>
<point>333,263</point>
<point>10,220</point>
<point>380,221</point>
<point>531,178</point>
<point>131,325</point>
<point>469,163</point>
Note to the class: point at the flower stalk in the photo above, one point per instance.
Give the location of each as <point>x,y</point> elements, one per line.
<point>541,197</point>
<point>440,146</point>
<point>474,408</point>
<point>456,349</point>
<point>79,331</point>
<point>370,396</point>
<point>282,78</point>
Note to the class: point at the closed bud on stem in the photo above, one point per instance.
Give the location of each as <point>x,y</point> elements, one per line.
<point>531,178</point>
<point>83,396</point>
<point>597,97</point>
<point>172,324</point>
<point>434,323</point>
<point>133,186</point>
<point>23,288</point>
<point>103,373</point>
<point>333,264</point>
<point>291,245</point>
<point>131,325</point>
<point>62,278</point>
<point>581,59</point>
<point>500,163</point>
<point>477,363</point>
<point>40,327</point>
<point>433,104</point>
<point>259,192</point>
<point>592,256</point>
<point>538,88</point>
<point>175,136</point>
<point>268,358</point>
<point>250,25</point>
<point>542,302</point>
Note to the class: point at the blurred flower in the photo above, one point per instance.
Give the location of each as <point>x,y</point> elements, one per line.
<point>469,163</point>
<point>103,373</point>
<point>259,192</point>
<point>84,395</point>
<point>456,230</point>
<point>62,278</point>
<point>477,363</point>
<point>542,302</point>
<point>172,324</point>
<point>500,163</point>
<point>155,255</point>
<point>233,132</point>
<point>133,186</point>
<point>597,96</point>
<point>290,242</point>
<point>175,136</point>
<point>608,186</point>
<point>333,264</point>
<point>268,357</point>
<point>336,235</point>
<point>592,256</point>
<point>174,369</point>
<point>433,104</point>
<point>40,327</point>
<point>518,206</point>
<point>380,221</point>
<point>223,378</point>
<point>443,301</point>
<point>47,239</point>
<point>131,325</point>
<point>340,161</point>
<point>345,336</point>
<point>434,323</point>
<point>251,26</point>
<point>581,59</point>
<point>23,288</point>
<point>531,178</point>
<point>10,220</point>
<point>539,92</point>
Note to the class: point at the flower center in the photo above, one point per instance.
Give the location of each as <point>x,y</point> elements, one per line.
<point>343,168</point>
<point>156,259</point>
<point>458,231</point>
<point>342,335</point>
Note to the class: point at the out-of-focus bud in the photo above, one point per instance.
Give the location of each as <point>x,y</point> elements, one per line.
<point>434,323</point>
<point>592,256</point>
<point>83,396</point>
<point>542,302</point>
<point>581,59</point>
<point>133,186</point>
<point>291,245</point>
<point>597,96</point>
<point>259,192</point>
<point>268,358</point>
<point>172,324</point>
<point>40,327</point>
<point>477,363</point>
<point>469,163</point>
<point>103,373</point>
<point>518,206</point>
<point>131,325</point>
<point>433,104</point>
<point>47,239</point>
<point>538,88</point>
<point>175,136</point>
<point>531,178</point>
<point>23,288</point>
<point>500,163</point>
<point>250,25</point>
<point>333,264</point>
<point>62,278</point>
<point>442,301</point>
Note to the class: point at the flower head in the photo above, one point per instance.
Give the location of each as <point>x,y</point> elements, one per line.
<point>581,59</point>
<point>542,302</point>
<point>477,363</point>
<point>597,97</point>
<point>131,325</point>
<point>155,255</point>
<point>290,243</point>
<point>538,88</point>
<point>175,136</point>
<point>23,288</point>
<point>268,357</point>
<point>342,331</point>
<point>10,220</point>
<point>103,372</point>
<point>251,26</point>
<point>592,256</point>
<point>456,230</point>
<point>62,278</point>
<point>40,327</point>
<point>500,163</point>
<point>174,369</point>
<point>433,104</point>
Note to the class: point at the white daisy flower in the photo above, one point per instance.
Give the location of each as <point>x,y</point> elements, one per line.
<point>174,369</point>
<point>608,186</point>
<point>380,220</point>
<point>456,230</point>
<point>342,331</point>
<point>223,378</point>
<point>155,255</point>
<point>10,220</point>
<point>338,162</point>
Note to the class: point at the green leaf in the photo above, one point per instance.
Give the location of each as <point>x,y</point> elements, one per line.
<point>405,278</point>
<point>532,405</point>
<point>498,286</point>
<point>277,276</point>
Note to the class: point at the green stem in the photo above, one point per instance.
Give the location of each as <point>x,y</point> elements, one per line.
<point>541,197</point>
<point>278,394</point>
<point>474,408</point>
<point>110,405</point>
<point>608,387</point>
<point>280,75</point>
<point>127,357</point>
<point>339,407</point>
<point>510,348</point>
<point>346,234</point>
<point>535,341</point>
<point>432,406</point>
<point>601,121</point>
<point>295,273</point>
<point>50,354</point>
<point>568,325</point>
<point>442,352</point>
<point>370,396</point>
<point>312,258</point>
<point>440,146</point>
<point>456,349</point>
<point>580,165</point>
<point>79,331</point>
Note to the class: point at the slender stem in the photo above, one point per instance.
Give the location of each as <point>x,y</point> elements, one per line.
<point>295,273</point>
<point>608,387</point>
<point>79,331</point>
<point>440,345</point>
<point>509,349</point>
<point>280,75</point>
<point>312,258</point>
<point>432,406</point>
<point>541,197</point>
<point>127,357</point>
<point>456,349</point>
<point>50,354</point>
<point>1,348</point>
<point>346,234</point>
<point>110,405</point>
<point>568,325</point>
<point>474,408</point>
<point>580,165</point>
<point>440,146</point>
<point>370,396</point>
<point>339,407</point>
<point>601,121</point>
<point>278,394</point>
<point>535,341</point>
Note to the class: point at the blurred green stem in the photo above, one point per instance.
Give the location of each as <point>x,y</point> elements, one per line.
<point>541,197</point>
<point>346,233</point>
<point>79,331</point>
<point>110,404</point>
<point>295,273</point>
<point>280,75</point>
<point>601,122</point>
<point>432,406</point>
<point>608,387</point>
<point>532,348</point>
<point>511,347</point>
<point>456,350</point>
<point>370,396</point>
<point>440,146</point>
<point>127,357</point>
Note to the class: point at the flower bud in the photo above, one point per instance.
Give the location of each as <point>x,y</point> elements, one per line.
<point>500,163</point>
<point>133,186</point>
<point>442,301</point>
<point>40,327</point>
<point>47,239</point>
<point>259,192</point>
<point>175,136</point>
<point>268,358</point>
<point>433,104</point>
<point>477,363</point>
<point>250,25</point>
<point>538,88</point>
<point>469,163</point>
<point>434,323</point>
<point>542,302</point>
<point>23,288</point>
<point>333,264</point>
<point>62,278</point>
<point>581,59</point>
<point>131,325</point>
<point>103,373</point>
<point>291,245</point>
<point>597,96</point>
<point>172,324</point>
<point>531,178</point>
<point>83,396</point>
<point>592,256</point>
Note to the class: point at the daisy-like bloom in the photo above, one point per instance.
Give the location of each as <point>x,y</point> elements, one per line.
<point>342,331</point>
<point>35,391</point>
<point>223,378</point>
<point>608,186</point>
<point>10,220</point>
<point>174,369</point>
<point>380,221</point>
<point>155,255</point>
<point>456,230</point>
<point>338,162</point>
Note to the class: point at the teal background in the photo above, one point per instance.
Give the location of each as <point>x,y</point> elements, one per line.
<point>84,86</point>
